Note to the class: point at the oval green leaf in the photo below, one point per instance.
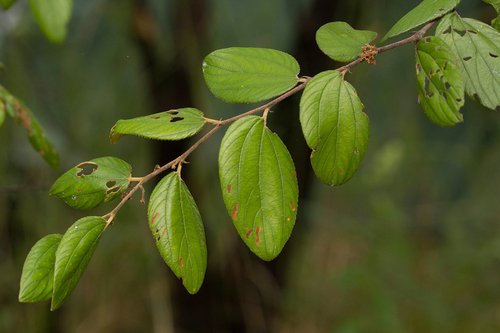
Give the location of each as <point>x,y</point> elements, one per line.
<point>38,270</point>
<point>341,42</point>
<point>73,255</point>
<point>259,185</point>
<point>334,126</point>
<point>102,180</point>
<point>247,75</point>
<point>176,225</point>
<point>439,82</point>
<point>425,12</point>
<point>169,125</point>
<point>53,17</point>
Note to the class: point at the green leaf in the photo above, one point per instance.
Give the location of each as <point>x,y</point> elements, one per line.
<point>73,255</point>
<point>168,125</point>
<point>38,270</point>
<point>53,17</point>
<point>495,23</point>
<point>439,82</point>
<point>259,185</point>
<point>178,230</point>
<point>425,12</point>
<point>334,127</point>
<point>477,48</point>
<point>247,75</point>
<point>341,42</point>
<point>103,179</point>
<point>6,3</point>
<point>2,116</point>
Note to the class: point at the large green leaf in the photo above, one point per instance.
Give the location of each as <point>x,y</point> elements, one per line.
<point>439,82</point>
<point>259,185</point>
<point>38,270</point>
<point>73,255</point>
<point>477,48</point>
<point>53,17</point>
<point>6,3</point>
<point>495,23</point>
<point>425,12</point>
<point>334,127</point>
<point>169,125</point>
<point>246,75</point>
<point>341,42</point>
<point>178,230</point>
<point>102,180</point>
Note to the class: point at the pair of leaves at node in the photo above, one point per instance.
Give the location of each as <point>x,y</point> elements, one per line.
<point>55,264</point>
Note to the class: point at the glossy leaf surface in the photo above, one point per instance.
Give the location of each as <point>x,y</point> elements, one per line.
<point>176,225</point>
<point>334,127</point>
<point>53,17</point>
<point>259,185</point>
<point>246,75</point>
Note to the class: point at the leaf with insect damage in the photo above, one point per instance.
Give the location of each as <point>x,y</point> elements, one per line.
<point>53,17</point>
<point>439,82</point>
<point>259,185</point>
<point>334,126</point>
<point>247,75</point>
<point>476,45</point>
<point>73,255</point>
<point>495,23</point>
<point>89,183</point>
<point>169,125</point>
<point>176,225</point>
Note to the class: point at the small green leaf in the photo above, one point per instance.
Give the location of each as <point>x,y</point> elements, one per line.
<point>425,12</point>
<point>439,82</point>
<point>53,17</point>
<point>259,185</point>
<point>7,3</point>
<point>73,255</point>
<point>334,127</point>
<point>341,42</point>
<point>38,270</point>
<point>2,116</point>
<point>104,179</point>
<point>495,23</point>
<point>178,230</point>
<point>247,75</point>
<point>168,125</point>
<point>476,45</point>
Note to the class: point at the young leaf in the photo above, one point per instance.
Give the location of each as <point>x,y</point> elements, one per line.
<point>477,48</point>
<point>425,12</point>
<point>334,127</point>
<point>107,178</point>
<point>246,75</point>
<point>73,255</point>
<point>495,23</point>
<point>176,225</point>
<point>53,17</point>
<point>38,270</point>
<point>169,125</point>
<point>341,42</point>
<point>439,82</point>
<point>259,185</point>
<point>7,3</point>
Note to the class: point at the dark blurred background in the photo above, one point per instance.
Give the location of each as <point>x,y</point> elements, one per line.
<point>410,244</point>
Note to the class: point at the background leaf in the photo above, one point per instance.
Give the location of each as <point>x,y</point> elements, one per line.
<point>341,42</point>
<point>7,3</point>
<point>38,270</point>
<point>169,125</point>
<point>496,4</point>
<point>439,82</point>
<point>176,225</point>
<point>246,75</point>
<point>103,179</point>
<point>53,17</point>
<point>334,127</point>
<point>259,185</point>
<point>2,117</point>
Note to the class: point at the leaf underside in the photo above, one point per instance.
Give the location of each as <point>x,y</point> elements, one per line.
<point>53,17</point>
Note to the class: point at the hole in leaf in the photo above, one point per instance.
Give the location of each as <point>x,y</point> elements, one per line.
<point>467,58</point>
<point>427,40</point>
<point>447,31</point>
<point>493,55</point>
<point>447,85</point>
<point>155,117</point>
<point>460,32</point>
<point>174,119</point>
<point>110,183</point>
<point>444,96</point>
<point>458,100</point>
<point>174,112</point>
<point>426,88</point>
<point>86,169</point>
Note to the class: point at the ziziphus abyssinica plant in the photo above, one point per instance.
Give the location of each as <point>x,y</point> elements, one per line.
<point>257,175</point>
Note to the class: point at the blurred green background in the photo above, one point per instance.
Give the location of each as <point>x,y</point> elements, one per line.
<point>410,244</point>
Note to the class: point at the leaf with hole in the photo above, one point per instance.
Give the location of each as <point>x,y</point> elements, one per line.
<point>334,126</point>
<point>73,255</point>
<point>495,23</point>
<point>38,270</point>
<point>341,42</point>
<point>439,82</point>
<point>476,45</point>
<point>53,17</point>
<point>89,183</point>
<point>259,185</point>
<point>247,75</point>
<point>176,225</point>
<point>425,12</point>
<point>169,125</point>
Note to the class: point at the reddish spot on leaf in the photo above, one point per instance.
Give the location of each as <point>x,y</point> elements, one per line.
<point>164,231</point>
<point>288,219</point>
<point>293,206</point>
<point>257,241</point>
<point>294,175</point>
<point>341,171</point>
<point>271,216</point>
<point>362,143</point>
<point>180,262</point>
<point>153,219</point>
<point>249,233</point>
<point>79,190</point>
<point>228,188</point>
<point>235,211</point>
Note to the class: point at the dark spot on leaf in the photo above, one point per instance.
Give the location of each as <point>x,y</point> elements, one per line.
<point>257,241</point>
<point>493,55</point>
<point>180,262</point>
<point>158,238</point>
<point>174,112</point>
<point>155,232</point>
<point>249,233</point>
<point>86,169</point>
<point>229,188</point>
<point>356,151</point>
<point>155,117</point>
<point>444,96</point>
<point>175,119</point>
<point>441,9</point>
<point>447,85</point>
<point>293,206</point>
<point>458,100</point>
<point>153,219</point>
<point>467,58</point>
<point>235,211</point>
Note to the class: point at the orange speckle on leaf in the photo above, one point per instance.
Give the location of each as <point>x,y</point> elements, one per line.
<point>228,188</point>
<point>271,216</point>
<point>294,175</point>
<point>235,211</point>
<point>79,190</point>
<point>153,219</point>
<point>293,206</point>
<point>164,230</point>
<point>249,233</point>
<point>180,262</point>
<point>341,171</point>
<point>288,219</point>
<point>257,241</point>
